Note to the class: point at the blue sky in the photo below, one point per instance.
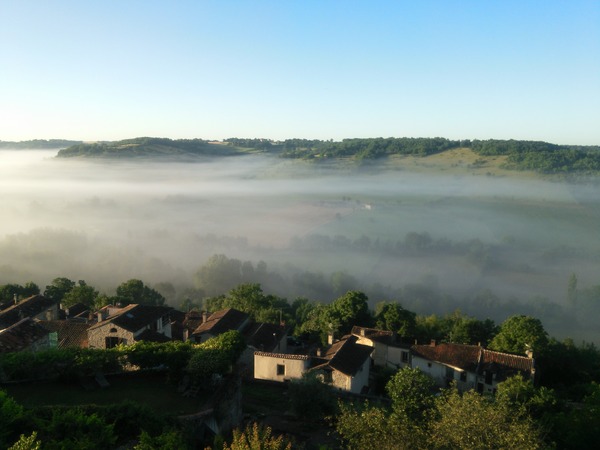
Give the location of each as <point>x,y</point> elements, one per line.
<point>107,70</point>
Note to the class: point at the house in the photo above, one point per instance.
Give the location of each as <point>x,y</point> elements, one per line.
<point>345,365</point>
<point>388,351</point>
<point>280,366</point>
<point>25,335</point>
<point>130,324</point>
<point>470,366</point>
<point>220,322</point>
<point>35,307</point>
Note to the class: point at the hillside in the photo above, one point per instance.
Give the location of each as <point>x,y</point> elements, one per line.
<point>40,144</point>
<point>148,147</point>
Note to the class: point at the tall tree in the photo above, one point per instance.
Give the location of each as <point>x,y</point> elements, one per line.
<point>519,334</point>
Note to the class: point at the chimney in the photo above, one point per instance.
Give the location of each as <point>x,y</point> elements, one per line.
<point>330,339</point>
<point>204,316</point>
<point>529,353</point>
<point>15,298</point>
<point>186,334</point>
<point>433,343</point>
<point>319,352</point>
<point>362,332</point>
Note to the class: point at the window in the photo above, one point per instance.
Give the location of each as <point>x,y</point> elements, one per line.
<point>463,376</point>
<point>328,376</point>
<point>280,369</point>
<point>405,357</point>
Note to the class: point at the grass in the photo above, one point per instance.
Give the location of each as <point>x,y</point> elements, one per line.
<point>261,398</point>
<point>147,389</point>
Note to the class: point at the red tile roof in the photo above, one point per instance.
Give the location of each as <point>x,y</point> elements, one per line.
<point>474,358</point>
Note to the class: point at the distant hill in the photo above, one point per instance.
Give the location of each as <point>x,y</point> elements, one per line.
<point>38,144</point>
<point>535,156</point>
<point>148,147</point>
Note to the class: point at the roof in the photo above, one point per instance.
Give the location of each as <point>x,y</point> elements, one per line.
<point>264,336</point>
<point>21,335</point>
<point>69,333</point>
<point>76,310</point>
<point>29,307</point>
<point>473,358</point>
<point>135,317</point>
<point>223,321</point>
<point>382,336</point>
<point>345,356</point>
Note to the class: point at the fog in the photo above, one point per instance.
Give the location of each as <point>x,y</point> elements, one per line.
<point>433,241</point>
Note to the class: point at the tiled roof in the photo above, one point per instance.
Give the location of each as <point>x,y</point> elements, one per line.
<point>21,335</point>
<point>345,356</point>
<point>222,321</point>
<point>135,317</point>
<point>29,307</point>
<point>382,336</point>
<point>473,358</point>
<point>264,336</point>
<point>69,333</point>
<point>283,355</point>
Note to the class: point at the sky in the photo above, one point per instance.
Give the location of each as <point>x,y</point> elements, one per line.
<point>110,70</point>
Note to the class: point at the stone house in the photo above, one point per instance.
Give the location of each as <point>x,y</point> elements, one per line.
<point>130,324</point>
<point>470,366</point>
<point>280,366</point>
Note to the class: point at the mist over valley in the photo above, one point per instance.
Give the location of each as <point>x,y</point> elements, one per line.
<point>434,240</point>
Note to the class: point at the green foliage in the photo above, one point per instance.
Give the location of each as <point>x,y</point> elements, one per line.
<point>8,291</point>
<point>73,429</point>
<point>370,427</point>
<point>134,291</point>
<point>348,310</point>
<point>59,288</point>
<point>27,443</point>
<point>521,333</point>
<point>11,414</point>
<point>215,357</point>
<point>310,398</point>
<point>412,393</point>
<point>257,437</point>
<point>393,317</point>
<point>81,293</point>
<point>146,146</point>
<point>471,421</point>
<point>168,440</point>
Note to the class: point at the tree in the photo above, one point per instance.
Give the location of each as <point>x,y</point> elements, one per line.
<point>393,317</point>
<point>371,427</point>
<point>518,334</point>
<point>82,293</point>
<point>58,288</point>
<point>350,309</point>
<point>411,392</point>
<point>134,291</point>
<point>471,421</point>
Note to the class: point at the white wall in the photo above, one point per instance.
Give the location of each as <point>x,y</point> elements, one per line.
<point>265,366</point>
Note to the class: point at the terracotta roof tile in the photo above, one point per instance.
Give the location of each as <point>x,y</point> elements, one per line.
<point>222,321</point>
